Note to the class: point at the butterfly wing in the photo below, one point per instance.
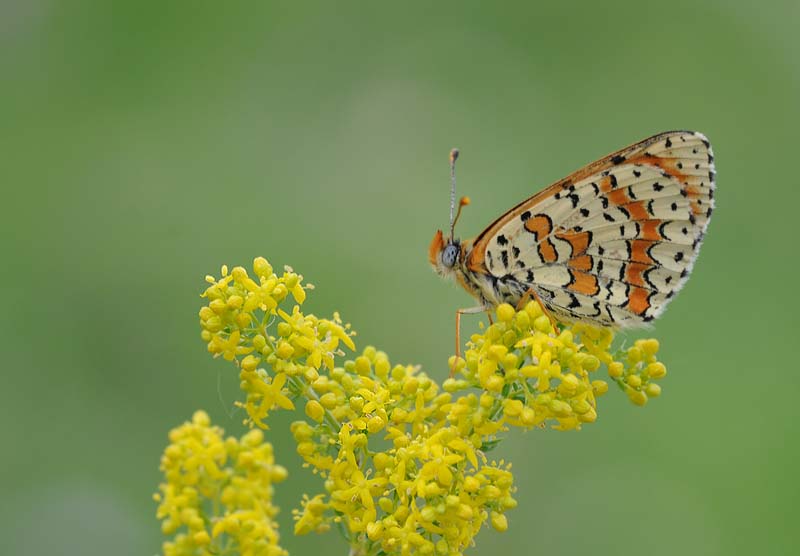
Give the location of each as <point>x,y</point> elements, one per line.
<point>613,242</point>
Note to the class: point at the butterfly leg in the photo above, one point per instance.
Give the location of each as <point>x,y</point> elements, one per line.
<point>459,312</point>
<point>531,293</point>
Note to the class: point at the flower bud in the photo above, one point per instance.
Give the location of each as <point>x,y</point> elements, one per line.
<point>315,410</point>
<point>653,390</point>
<point>499,521</point>
<point>375,424</point>
<point>656,370</point>
<point>505,312</point>
<point>634,381</point>
<point>261,267</point>
<point>636,396</point>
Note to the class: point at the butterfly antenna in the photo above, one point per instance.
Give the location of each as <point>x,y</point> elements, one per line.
<point>453,216</point>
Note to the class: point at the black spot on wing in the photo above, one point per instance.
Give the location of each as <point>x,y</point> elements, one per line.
<point>646,276</point>
<point>573,302</point>
<point>574,199</point>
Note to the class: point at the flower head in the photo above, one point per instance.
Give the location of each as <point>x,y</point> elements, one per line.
<point>217,492</point>
<point>403,459</point>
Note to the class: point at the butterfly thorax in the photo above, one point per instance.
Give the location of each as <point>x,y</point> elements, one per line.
<point>451,259</point>
<point>491,290</point>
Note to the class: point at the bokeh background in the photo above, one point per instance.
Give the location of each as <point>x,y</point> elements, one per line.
<point>146,143</point>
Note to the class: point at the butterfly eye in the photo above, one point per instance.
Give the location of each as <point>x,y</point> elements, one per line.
<point>449,255</point>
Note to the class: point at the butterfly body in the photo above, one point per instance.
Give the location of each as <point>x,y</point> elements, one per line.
<point>610,244</point>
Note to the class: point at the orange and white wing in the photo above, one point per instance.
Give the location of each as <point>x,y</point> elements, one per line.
<point>613,242</point>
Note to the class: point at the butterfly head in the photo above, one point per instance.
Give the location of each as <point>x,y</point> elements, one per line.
<point>445,255</point>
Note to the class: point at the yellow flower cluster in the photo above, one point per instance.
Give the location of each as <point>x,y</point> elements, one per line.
<point>403,462</point>
<point>235,321</point>
<point>544,376</point>
<point>403,458</point>
<point>217,494</point>
<point>635,370</point>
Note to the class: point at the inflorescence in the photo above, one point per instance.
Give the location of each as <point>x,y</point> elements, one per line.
<point>403,459</point>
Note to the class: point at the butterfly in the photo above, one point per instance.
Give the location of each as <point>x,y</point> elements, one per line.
<point>610,244</point>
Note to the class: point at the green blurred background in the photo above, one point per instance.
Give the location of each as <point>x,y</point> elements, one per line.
<point>146,143</point>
